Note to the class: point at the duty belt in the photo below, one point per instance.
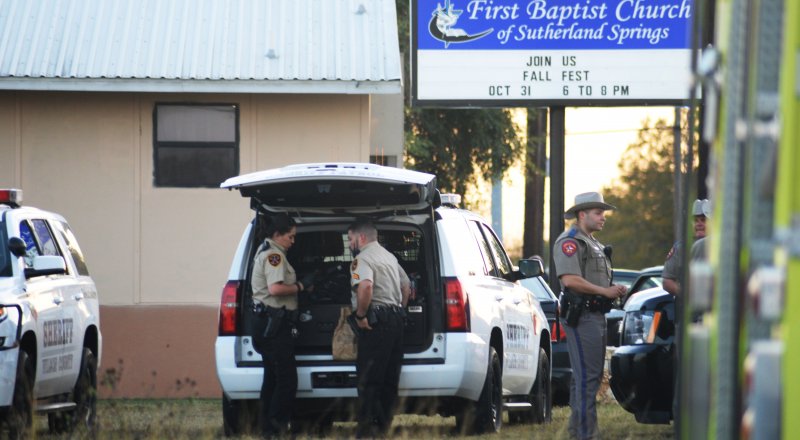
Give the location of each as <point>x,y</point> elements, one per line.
<point>591,303</point>
<point>596,304</point>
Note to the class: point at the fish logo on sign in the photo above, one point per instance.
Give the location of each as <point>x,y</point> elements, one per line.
<point>442,22</point>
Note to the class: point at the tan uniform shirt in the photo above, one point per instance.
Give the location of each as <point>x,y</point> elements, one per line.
<point>270,267</point>
<point>576,253</point>
<point>378,265</point>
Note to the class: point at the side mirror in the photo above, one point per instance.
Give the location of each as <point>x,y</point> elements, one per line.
<point>529,268</point>
<point>17,246</point>
<point>46,265</point>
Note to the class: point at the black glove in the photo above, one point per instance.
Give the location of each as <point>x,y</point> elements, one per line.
<point>308,281</point>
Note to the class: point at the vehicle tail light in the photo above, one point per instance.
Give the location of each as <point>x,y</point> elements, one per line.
<point>456,306</point>
<point>229,308</point>
<point>556,332</point>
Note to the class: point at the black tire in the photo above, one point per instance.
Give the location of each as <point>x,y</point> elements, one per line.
<point>20,416</point>
<point>84,416</point>
<point>486,415</point>
<point>239,416</point>
<point>541,395</point>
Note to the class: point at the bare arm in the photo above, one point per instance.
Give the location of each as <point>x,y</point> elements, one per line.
<point>363,299</point>
<point>281,289</point>
<point>672,286</point>
<point>406,291</point>
<point>578,284</point>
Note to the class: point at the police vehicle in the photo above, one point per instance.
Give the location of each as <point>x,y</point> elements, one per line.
<point>50,338</point>
<point>476,342</point>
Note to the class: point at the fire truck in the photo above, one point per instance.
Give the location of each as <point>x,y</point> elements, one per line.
<point>740,349</point>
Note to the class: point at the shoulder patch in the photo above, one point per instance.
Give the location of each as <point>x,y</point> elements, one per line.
<point>354,264</point>
<point>274,259</point>
<point>671,252</point>
<point>569,247</point>
<point>356,277</point>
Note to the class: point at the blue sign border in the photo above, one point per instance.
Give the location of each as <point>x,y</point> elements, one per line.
<point>566,25</point>
<point>553,24</point>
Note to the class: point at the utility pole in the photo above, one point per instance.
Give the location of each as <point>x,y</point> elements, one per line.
<point>535,172</point>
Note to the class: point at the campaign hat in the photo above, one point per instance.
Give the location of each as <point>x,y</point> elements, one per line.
<point>587,200</point>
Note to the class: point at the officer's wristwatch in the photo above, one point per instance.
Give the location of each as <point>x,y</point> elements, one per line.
<point>360,317</point>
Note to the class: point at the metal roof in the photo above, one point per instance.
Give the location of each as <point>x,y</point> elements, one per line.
<point>242,46</point>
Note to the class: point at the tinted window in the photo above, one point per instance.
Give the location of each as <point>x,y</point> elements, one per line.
<point>46,242</point>
<point>486,252</point>
<point>499,253</point>
<point>195,145</point>
<point>72,247</point>
<point>5,254</point>
<point>31,248</point>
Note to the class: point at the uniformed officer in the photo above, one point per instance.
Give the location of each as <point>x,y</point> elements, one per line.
<point>583,267</point>
<point>380,294</point>
<point>673,266</point>
<point>275,290</point>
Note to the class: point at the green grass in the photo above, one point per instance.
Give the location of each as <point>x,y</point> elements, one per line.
<point>199,419</point>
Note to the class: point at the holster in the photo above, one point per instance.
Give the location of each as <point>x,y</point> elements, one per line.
<point>572,306</point>
<point>372,319</point>
<point>276,318</point>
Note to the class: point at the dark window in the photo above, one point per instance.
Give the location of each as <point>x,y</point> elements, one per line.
<point>31,248</point>
<point>5,254</point>
<point>46,242</point>
<point>486,252</point>
<point>195,145</point>
<point>73,248</point>
<point>500,256</point>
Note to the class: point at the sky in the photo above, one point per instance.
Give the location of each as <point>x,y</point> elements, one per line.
<point>594,142</point>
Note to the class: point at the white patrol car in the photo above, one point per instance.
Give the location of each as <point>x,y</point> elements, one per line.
<point>50,338</point>
<point>476,342</point>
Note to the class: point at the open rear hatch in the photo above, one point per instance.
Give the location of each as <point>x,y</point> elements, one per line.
<point>338,188</point>
<point>324,198</point>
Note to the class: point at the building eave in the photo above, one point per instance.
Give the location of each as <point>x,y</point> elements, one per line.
<point>202,86</point>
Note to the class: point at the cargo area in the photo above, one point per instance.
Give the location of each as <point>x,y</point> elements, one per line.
<point>322,248</point>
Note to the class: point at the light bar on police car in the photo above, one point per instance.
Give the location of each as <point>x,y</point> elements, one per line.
<point>11,196</point>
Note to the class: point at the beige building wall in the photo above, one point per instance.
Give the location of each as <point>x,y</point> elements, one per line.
<point>89,156</point>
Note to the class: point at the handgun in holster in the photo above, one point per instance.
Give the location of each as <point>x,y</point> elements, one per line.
<point>275,318</point>
<point>572,307</point>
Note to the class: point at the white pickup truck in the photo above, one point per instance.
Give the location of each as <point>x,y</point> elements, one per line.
<point>477,343</point>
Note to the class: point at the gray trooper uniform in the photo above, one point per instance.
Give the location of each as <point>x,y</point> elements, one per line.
<point>576,253</point>
<point>674,262</point>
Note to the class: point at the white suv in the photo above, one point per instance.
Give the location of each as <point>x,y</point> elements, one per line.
<point>476,342</point>
<point>49,322</point>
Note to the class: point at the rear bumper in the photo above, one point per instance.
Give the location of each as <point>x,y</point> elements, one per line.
<point>459,373</point>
